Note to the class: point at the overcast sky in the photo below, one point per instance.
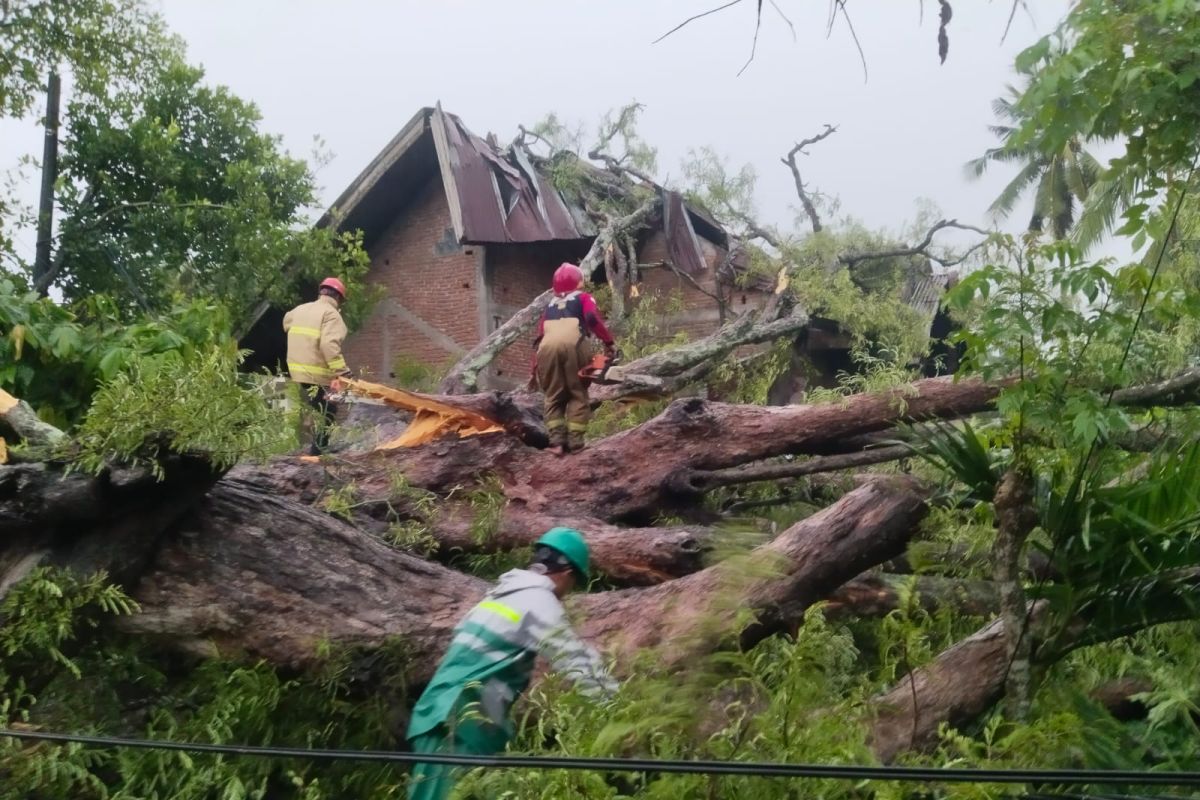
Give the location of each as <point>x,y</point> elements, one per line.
<point>355,71</point>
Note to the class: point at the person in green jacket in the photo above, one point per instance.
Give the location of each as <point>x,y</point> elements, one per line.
<point>465,707</point>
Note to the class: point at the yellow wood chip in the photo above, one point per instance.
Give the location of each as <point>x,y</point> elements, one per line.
<point>7,402</point>
<point>3,451</point>
<point>432,419</point>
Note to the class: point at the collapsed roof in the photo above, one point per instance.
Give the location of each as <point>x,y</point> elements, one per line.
<point>495,195</point>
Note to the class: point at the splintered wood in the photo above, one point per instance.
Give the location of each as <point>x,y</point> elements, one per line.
<point>432,419</point>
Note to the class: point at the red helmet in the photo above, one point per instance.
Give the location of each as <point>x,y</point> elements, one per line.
<point>336,285</point>
<point>567,279</point>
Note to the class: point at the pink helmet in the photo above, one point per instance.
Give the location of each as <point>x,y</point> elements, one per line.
<point>567,278</point>
<point>336,285</point>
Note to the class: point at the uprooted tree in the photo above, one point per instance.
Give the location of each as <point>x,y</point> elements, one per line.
<point>1066,450</point>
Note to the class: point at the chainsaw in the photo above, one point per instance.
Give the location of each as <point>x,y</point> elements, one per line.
<point>597,369</point>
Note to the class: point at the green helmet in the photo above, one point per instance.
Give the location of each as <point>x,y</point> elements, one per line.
<point>570,543</point>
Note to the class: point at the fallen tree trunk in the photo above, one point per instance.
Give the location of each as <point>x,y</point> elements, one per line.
<point>252,575</point>
<point>877,594</point>
<point>909,715</point>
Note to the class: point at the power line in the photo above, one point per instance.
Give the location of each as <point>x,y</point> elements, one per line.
<point>1076,777</point>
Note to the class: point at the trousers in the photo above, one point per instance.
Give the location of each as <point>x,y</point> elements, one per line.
<point>469,737</point>
<point>566,406</point>
<point>326,411</point>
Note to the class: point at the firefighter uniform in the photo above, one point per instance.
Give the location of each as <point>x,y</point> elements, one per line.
<point>563,350</point>
<point>315,332</point>
<point>465,708</point>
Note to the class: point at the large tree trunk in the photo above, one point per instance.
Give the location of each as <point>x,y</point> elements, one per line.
<point>251,574</point>
<point>252,566</point>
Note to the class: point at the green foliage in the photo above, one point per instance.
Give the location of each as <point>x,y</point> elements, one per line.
<point>645,329</point>
<point>190,404</point>
<point>170,188</point>
<point>486,501</point>
<point>1060,180</point>
<point>748,380</point>
<point>875,374</point>
<point>1128,72</point>
<point>55,358</point>
<point>785,700</point>
<point>111,686</point>
<point>95,40</point>
<point>42,614</point>
<point>415,375</point>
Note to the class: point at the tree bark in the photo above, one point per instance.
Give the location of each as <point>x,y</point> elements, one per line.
<point>463,377</point>
<point>1015,519</point>
<point>18,417</point>
<point>877,594</point>
<point>908,715</point>
<point>250,574</point>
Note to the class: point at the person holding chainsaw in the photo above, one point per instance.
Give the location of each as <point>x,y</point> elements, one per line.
<point>315,332</point>
<point>561,352</point>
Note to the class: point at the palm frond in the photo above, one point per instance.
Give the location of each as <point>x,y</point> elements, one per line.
<point>961,454</point>
<point>1006,201</point>
<point>1107,199</point>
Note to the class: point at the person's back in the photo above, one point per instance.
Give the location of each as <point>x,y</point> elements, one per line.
<point>315,333</point>
<point>562,351</point>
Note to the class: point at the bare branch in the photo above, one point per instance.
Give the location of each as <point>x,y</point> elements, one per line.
<point>840,5</point>
<point>790,162</point>
<point>1013,13</point>
<point>784,16</point>
<point>921,249</point>
<point>696,17</point>
<point>607,134</point>
<point>754,42</point>
<point>537,137</point>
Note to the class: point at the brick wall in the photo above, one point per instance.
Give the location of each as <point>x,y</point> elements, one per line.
<point>429,279</point>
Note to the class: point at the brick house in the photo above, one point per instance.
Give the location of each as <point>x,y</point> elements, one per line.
<point>461,234</point>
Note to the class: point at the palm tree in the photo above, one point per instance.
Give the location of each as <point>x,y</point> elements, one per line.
<point>1062,181</point>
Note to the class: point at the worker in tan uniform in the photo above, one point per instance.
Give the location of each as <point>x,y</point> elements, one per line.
<point>315,332</point>
<point>561,352</point>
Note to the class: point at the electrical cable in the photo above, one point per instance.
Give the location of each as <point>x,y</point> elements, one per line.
<point>699,766</point>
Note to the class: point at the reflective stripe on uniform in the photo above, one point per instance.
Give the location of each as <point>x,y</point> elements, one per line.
<point>556,422</point>
<point>477,644</point>
<point>507,612</point>
<point>338,363</point>
<point>315,369</point>
<point>577,427</point>
<point>301,330</point>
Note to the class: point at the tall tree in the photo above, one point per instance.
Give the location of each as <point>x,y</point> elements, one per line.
<point>172,188</point>
<point>1062,180</point>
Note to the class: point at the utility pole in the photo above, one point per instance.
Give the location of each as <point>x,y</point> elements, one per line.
<point>45,226</point>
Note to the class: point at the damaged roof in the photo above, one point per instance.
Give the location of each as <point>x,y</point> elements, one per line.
<point>494,195</point>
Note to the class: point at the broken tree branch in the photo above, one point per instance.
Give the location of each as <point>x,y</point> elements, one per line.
<point>921,249</point>
<point>19,417</point>
<point>702,481</point>
<point>790,162</point>
<point>463,377</point>
<point>654,373</point>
